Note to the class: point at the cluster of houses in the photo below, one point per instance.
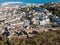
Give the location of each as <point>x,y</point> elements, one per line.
<point>21,20</point>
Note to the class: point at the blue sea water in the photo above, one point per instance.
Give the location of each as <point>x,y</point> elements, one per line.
<point>30,1</point>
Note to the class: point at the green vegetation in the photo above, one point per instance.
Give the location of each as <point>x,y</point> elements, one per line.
<point>34,26</point>
<point>28,17</point>
<point>26,9</point>
<point>54,8</point>
<point>43,38</point>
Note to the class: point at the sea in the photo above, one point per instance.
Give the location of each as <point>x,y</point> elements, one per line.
<point>28,1</point>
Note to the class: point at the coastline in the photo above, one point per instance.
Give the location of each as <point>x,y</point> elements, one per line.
<point>21,3</point>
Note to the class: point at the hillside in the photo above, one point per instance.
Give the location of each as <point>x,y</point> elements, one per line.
<point>53,7</point>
